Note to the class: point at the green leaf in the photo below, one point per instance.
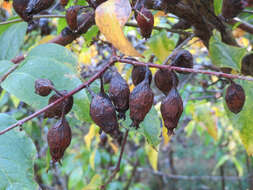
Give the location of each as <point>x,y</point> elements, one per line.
<point>150,127</point>
<point>17,155</point>
<point>161,45</point>
<point>224,55</point>
<point>11,40</point>
<point>217,7</point>
<point>53,62</point>
<point>243,120</point>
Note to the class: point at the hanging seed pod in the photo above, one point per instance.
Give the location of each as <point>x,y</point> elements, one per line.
<point>36,6</point>
<point>103,114</point>
<point>20,8</point>
<point>172,109</point>
<point>247,65</point>
<point>235,97</point>
<point>71,17</point>
<point>58,139</point>
<point>64,2</point>
<point>138,75</point>
<point>43,87</point>
<point>141,100</point>
<point>145,21</point>
<point>164,80</point>
<point>231,8</point>
<point>103,139</point>
<point>119,94</point>
<point>56,111</point>
<point>184,59</point>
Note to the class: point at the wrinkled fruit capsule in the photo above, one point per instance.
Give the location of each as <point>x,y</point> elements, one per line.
<point>43,87</point>
<point>36,6</point>
<point>138,75</point>
<point>104,115</point>
<point>235,97</point>
<point>247,65</point>
<point>20,8</point>
<point>56,111</point>
<point>119,94</point>
<point>171,110</point>
<point>231,8</point>
<point>164,80</point>
<point>184,59</point>
<point>58,139</point>
<point>145,21</point>
<point>71,17</point>
<point>141,100</point>
<point>64,2</point>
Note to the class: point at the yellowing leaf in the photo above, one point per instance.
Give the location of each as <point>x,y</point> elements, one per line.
<point>92,159</point>
<point>88,138</point>
<point>166,137</point>
<point>46,39</point>
<point>110,21</point>
<point>94,184</point>
<point>114,147</point>
<point>152,156</point>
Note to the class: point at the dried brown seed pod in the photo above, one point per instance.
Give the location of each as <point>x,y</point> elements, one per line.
<point>36,6</point>
<point>119,93</point>
<point>64,2</point>
<point>145,21</point>
<point>43,87</point>
<point>138,75</point>
<point>247,65</point>
<point>103,113</point>
<point>171,109</point>
<point>235,97</point>
<point>184,59</point>
<point>231,8</point>
<point>71,17</point>
<point>56,111</point>
<point>164,80</point>
<point>141,100</point>
<point>20,8</point>
<point>59,138</point>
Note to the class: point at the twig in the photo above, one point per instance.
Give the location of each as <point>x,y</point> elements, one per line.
<point>13,68</point>
<point>118,163</point>
<point>132,175</point>
<point>243,25</point>
<point>35,17</point>
<point>178,47</point>
<point>131,24</point>
<point>206,72</point>
<point>82,86</point>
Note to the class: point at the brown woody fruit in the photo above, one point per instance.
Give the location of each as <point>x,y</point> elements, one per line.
<point>172,109</point>
<point>58,139</point>
<point>184,59</point>
<point>36,6</point>
<point>145,21</point>
<point>20,8</point>
<point>141,100</point>
<point>231,8</point>
<point>56,111</point>
<point>103,113</point>
<point>235,97</point>
<point>138,75</point>
<point>43,87</point>
<point>247,65</point>
<point>119,94</point>
<point>71,17</point>
<point>164,80</point>
<point>64,2</point>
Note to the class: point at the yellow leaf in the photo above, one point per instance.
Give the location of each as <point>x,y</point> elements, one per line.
<point>94,184</point>
<point>166,137</point>
<point>114,147</point>
<point>88,138</point>
<point>110,22</point>
<point>46,39</point>
<point>92,159</point>
<point>152,156</point>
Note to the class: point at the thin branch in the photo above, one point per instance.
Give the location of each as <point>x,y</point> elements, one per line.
<point>243,25</point>
<point>206,72</point>
<point>131,24</point>
<point>35,17</point>
<point>82,86</point>
<point>119,161</point>
<point>13,68</point>
<point>132,175</point>
<point>178,47</point>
